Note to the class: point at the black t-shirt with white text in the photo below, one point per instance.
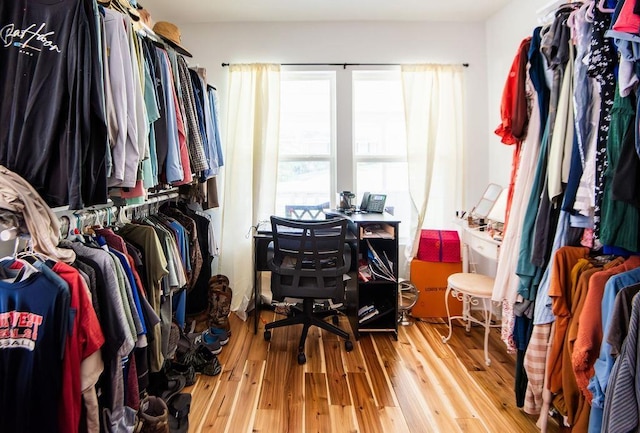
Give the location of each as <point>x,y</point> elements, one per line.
<point>53,131</point>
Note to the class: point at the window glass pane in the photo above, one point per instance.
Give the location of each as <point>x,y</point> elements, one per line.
<point>302,183</point>
<point>378,114</point>
<point>305,115</point>
<point>306,147</point>
<point>388,178</point>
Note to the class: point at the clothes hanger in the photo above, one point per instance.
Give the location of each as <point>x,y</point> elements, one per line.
<point>30,253</point>
<point>121,217</point>
<point>124,7</point>
<point>588,14</point>
<point>603,9</point>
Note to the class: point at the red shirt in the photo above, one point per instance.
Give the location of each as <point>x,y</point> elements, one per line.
<point>85,338</point>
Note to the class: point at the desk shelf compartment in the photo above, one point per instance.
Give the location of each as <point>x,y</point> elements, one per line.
<point>385,306</point>
<point>377,231</point>
<point>380,291</point>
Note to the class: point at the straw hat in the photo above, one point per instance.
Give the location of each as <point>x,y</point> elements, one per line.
<point>171,33</point>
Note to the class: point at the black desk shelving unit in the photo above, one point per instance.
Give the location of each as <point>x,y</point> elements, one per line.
<point>382,294</point>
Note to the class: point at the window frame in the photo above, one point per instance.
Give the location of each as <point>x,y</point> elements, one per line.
<point>293,74</point>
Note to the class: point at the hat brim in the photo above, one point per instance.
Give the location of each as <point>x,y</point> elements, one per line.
<point>182,50</point>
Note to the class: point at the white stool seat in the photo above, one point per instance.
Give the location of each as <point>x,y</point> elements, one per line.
<point>480,286</point>
<point>471,289</point>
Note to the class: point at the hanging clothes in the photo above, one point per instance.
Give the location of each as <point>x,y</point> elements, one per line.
<point>34,324</point>
<point>620,220</point>
<point>17,195</point>
<point>70,128</point>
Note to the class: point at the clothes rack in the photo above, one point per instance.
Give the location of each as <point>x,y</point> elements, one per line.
<point>344,65</point>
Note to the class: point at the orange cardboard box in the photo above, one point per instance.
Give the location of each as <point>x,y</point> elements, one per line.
<point>430,278</point>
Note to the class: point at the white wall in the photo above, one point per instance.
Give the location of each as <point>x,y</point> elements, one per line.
<point>504,32</point>
<point>356,42</point>
<point>488,47</point>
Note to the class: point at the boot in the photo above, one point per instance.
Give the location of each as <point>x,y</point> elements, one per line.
<point>219,302</point>
<point>153,415</point>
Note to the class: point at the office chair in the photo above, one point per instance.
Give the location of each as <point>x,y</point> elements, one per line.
<point>308,262</point>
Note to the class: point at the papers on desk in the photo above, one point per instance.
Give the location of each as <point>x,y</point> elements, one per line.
<point>379,231</point>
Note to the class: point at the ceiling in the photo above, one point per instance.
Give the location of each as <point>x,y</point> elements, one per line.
<point>203,11</point>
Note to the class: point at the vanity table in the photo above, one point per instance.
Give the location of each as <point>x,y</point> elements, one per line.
<point>480,252</point>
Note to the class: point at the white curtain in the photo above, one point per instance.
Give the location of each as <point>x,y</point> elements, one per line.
<point>433,104</point>
<point>253,123</point>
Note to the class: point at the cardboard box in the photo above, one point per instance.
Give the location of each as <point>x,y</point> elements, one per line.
<point>439,246</point>
<point>430,278</point>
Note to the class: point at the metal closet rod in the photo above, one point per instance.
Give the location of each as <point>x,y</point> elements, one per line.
<point>344,65</point>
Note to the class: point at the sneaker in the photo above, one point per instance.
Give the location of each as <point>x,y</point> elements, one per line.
<point>203,361</point>
<point>184,370</point>
<point>207,340</point>
<point>219,333</point>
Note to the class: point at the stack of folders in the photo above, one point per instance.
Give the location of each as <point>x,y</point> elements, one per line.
<point>367,312</point>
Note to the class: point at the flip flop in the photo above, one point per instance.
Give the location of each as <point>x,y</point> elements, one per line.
<point>179,407</point>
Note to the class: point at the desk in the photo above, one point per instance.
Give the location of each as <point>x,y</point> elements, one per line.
<point>263,237</point>
<point>261,240</point>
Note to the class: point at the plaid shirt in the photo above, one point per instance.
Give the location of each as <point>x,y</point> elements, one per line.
<point>194,140</point>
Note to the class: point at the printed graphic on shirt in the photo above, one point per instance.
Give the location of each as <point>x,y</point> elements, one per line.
<point>19,329</point>
<point>33,38</point>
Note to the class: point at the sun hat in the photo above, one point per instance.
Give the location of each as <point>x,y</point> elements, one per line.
<point>171,33</point>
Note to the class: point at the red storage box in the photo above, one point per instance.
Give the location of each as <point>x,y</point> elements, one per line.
<point>439,246</point>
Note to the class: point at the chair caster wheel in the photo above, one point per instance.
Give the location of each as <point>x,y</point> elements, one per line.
<point>301,358</point>
<point>335,320</point>
<point>348,345</point>
<point>267,335</point>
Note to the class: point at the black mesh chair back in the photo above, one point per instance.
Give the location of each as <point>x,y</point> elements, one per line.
<point>309,262</point>
<point>308,258</point>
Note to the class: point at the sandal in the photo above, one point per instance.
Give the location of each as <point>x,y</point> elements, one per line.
<point>179,407</point>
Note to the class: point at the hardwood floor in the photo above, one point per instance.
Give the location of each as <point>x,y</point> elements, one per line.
<point>416,384</point>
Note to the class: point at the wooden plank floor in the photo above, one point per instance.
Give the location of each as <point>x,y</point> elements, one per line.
<point>416,384</point>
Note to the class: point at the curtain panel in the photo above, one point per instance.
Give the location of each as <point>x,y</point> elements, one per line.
<point>252,129</point>
<point>434,116</point>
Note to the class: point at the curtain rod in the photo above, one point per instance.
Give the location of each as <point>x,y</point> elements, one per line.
<point>344,65</point>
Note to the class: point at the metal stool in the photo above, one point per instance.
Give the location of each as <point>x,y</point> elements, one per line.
<point>471,289</point>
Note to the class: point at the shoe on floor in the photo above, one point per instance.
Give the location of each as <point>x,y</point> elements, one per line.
<point>175,384</point>
<point>153,415</point>
<point>219,333</point>
<point>210,341</point>
<point>184,370</point>
<point>179,407</point>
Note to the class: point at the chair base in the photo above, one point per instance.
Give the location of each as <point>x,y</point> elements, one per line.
<point>467,301</point>
<point>308,318</point>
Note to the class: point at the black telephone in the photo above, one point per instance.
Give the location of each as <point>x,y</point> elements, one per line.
<point>373,202</point>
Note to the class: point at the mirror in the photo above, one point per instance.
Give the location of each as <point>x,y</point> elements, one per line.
<point>499,209</point>
<point>489,198</point>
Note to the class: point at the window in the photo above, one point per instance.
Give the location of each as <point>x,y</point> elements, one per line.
<point>380,155</point>
<point>356,144</point>
<point>306,161</point>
